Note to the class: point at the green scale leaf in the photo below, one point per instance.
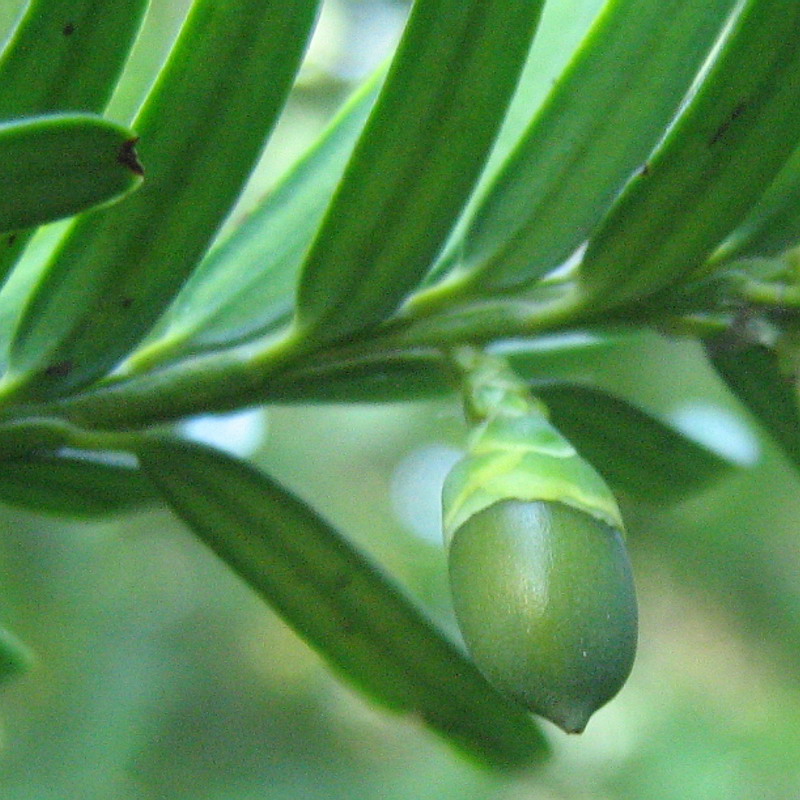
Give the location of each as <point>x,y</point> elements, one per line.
<point>67,55</point>
<point>336,599</point>
<point>523,456</point>
<point>514,450</point>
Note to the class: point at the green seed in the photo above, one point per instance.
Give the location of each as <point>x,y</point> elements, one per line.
<point>545,600</point>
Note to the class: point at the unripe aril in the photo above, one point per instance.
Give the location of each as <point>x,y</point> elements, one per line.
<point>544,597</point>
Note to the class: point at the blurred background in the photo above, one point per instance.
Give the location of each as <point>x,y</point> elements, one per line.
<point>160,675</point>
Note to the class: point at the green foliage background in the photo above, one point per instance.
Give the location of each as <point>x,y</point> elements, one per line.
<point>161,675</point>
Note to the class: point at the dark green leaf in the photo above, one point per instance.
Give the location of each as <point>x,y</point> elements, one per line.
<point>337,600</point>
<point>57,165</point>
<point>416,163</point>
<point>562,26</point>
<point>201,132</point>
<point>74,484</point>
<point>630,74</point>
<point>724,150</point>
<point>64,55</point>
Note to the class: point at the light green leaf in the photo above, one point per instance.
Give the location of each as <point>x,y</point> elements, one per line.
<point>58,165</point>
<point>342,604</point>
<point>415,165</point>
<point>722,153</point>
<point>201,133</point>
<point>635,452</point>
<point>64,55</point>
<point>596,127</point>
<point>248,283</point>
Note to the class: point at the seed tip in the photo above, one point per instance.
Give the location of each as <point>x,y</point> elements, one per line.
<point>571,718</point>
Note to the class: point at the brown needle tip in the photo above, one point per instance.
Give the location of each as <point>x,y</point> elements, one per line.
<point>127,156</point>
